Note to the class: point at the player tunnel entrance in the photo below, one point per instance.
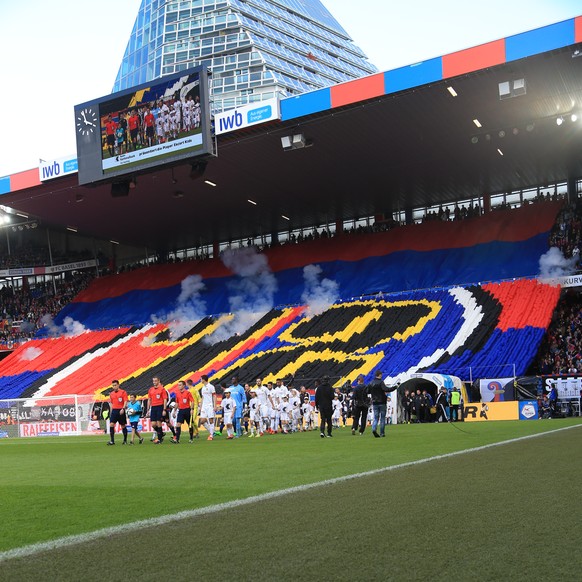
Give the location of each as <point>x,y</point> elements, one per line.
<point>414,384</point>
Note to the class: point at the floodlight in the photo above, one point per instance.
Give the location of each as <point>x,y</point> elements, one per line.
<point>286,142</point>
<point>295,142</point>
<point>299,140</point>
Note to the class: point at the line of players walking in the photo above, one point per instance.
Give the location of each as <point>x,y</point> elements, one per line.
<point>270,408</point>
<point>253,411</point>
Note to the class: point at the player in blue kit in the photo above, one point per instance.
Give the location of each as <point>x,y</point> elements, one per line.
<point>237,393</point>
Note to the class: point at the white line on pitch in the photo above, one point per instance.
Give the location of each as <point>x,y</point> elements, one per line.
<point>72,540</point>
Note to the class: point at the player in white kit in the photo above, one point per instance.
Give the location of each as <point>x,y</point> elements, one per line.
<point>307,411</point>
<point>160,128</point>
<point>274,411</point>
<point>336,405</point>
<point>178,114</point>
<point>285,414</point>
<point>196,110</point>
<point>278,391</point>
<point>389,410</point>
<point>295,402</point>
<point>265,402</point>
<point>254,414</point>
<point>228,408</point>
<point>207,406</point>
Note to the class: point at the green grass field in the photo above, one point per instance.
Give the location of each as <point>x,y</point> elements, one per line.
<point>509,512</point>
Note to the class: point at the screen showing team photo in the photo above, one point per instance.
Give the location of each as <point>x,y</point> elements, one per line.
<point>152,124</point>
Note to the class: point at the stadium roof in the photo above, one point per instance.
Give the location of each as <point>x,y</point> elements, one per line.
<point>379,144</point>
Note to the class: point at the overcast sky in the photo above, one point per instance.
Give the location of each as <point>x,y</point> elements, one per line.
<point>58,53</point>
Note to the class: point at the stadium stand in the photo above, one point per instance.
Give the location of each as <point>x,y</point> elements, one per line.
<point>26,310</point>
<point>39,358</point>
<point>438,330</point>
<point>561,349</point>
<point>494,247</point>
<point>566,233</point>
<point>432,297</point>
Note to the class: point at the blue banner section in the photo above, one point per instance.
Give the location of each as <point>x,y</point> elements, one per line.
<point>413,75</point>
<point>305,104</point>
<point>14,386</point>
<point>5,185</point>
<point>539,40</point>
<point>499,355</point>
<point>391,273</point>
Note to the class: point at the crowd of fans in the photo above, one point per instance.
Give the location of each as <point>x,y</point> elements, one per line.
<point>25,310</point>
<point>462,212</point>
<point>26,256</point>
<point>33,256</point>
<point>566,233</point>
<point>561,350</point>
<point>458,213</point>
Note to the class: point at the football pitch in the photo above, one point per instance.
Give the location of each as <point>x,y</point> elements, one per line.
<point>427,502</point>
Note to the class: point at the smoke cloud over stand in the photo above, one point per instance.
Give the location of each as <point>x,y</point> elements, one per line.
<point>189,310</point>
<point>251,293</point>
<point>318,295</point>
<point>554,264</point>
<point>71,327</point>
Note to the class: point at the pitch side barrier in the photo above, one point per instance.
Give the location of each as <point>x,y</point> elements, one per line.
<point>68,415</point>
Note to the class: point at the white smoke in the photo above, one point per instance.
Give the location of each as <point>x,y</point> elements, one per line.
<point>73,327</point>
<point>48,322</point>
<point>252,292</point>
<point>189,310</point>
<point>30,354</point>
<point>148,340</point>
<point>191,287</point>
<point>554,264</point>
<point>70,327</point>
<point>318,295</point>
<point>27,327</point>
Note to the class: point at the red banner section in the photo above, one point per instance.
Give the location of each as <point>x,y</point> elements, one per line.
<point>502,226</point>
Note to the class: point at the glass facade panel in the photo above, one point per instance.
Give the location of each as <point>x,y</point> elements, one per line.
<point>297,45</point>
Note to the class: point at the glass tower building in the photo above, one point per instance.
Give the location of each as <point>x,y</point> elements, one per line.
<point>255,49</point>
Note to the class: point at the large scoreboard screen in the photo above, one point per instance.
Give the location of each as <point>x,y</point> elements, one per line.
<point>154,124</point>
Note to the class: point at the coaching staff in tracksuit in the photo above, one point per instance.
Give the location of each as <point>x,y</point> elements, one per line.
<point>323,398</point>
<point>360,405</point>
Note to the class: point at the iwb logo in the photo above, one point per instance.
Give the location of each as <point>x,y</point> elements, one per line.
<point>229,121</point>
<point>55,168</point>
<point>246,115</point>
<point>52,171</point>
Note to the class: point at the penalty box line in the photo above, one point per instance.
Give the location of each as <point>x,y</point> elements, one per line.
<point>72,540</point>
